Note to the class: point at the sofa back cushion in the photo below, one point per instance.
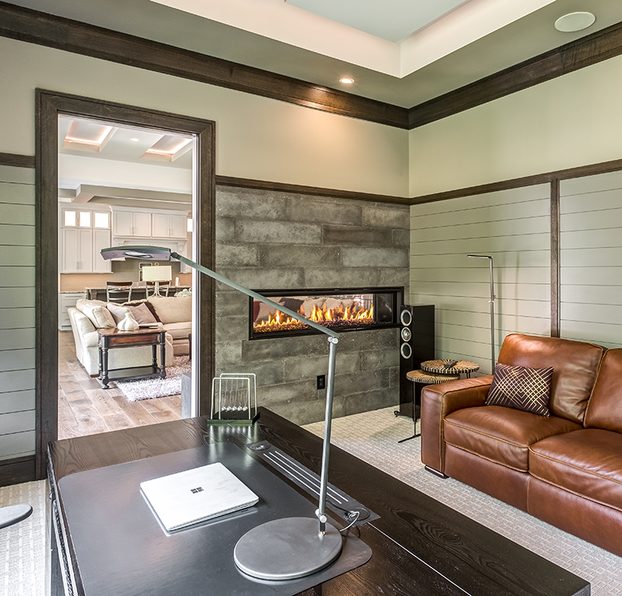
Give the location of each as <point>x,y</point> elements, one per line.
<point>97,313</point>
<point>605,407</point>
<point>574,363</point>
<point>174,309</point>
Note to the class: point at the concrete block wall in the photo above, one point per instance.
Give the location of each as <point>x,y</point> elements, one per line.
<point>268,240</point>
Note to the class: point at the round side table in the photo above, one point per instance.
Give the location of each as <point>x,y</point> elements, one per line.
<point>421,378</point>
<point>450,367</point>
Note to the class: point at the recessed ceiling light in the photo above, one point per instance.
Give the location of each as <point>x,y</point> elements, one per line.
<point>346,81</point>
<point>135,139</point>
<point>575,21</point>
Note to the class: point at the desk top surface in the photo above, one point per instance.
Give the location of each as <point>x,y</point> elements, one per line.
<point>419,545</point>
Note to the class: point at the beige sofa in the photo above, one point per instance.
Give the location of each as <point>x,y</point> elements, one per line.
<point>174,313</point>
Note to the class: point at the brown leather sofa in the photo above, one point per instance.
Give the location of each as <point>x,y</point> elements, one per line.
<point>565,469</point>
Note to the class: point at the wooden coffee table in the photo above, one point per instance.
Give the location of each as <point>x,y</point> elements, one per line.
<point>419,545</point>
<point>110,339</point>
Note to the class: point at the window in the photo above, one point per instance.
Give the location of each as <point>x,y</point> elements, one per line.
<point>85,219</point>
<point>70,218</point>
<point>102,220</point>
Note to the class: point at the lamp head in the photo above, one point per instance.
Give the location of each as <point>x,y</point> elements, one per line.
<point>146,253</point>
<point>480,256</point>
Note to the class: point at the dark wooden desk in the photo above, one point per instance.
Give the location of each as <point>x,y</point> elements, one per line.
<point>419,545</point>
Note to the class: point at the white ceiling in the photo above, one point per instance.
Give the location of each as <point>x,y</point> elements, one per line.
<point>456,49</point>
<point>392,20</point>
<point>125,144</point>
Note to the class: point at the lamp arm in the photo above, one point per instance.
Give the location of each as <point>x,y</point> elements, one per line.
<point>252,294</point>
<point>333,339</point>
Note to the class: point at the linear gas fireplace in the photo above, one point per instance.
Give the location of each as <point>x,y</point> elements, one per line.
<point>349,309</point>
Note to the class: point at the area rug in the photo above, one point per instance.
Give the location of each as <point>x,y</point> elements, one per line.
<point>152,388</point>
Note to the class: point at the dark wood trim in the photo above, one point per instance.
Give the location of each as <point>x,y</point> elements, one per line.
<point>16,160</point>
<point>544,178</point>
<point>73,36</point>
<point>572,56</point>
<point>308,190</point>
<point>17,470</point>
<point>555,254</point>
<point>49,105</point>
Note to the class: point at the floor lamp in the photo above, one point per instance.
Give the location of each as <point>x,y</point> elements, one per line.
<point>493,358</point>
<point>292,547</point>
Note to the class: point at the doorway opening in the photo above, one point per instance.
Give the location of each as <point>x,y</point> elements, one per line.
<point>109,175</point>
<point>122,185</point>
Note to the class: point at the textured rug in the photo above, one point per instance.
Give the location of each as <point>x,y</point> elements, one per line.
<point>22,546</point>
<point>373,436</point>
<point>152,388</point>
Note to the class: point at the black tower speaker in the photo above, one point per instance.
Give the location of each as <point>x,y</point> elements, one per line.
<point>416,346</point>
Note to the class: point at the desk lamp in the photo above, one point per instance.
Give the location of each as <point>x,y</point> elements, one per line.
<point>493,358</point>
<point>287,548</point>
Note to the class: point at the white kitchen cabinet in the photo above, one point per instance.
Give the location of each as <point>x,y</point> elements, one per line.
<point>83,233</point>
<point>77,247</point>
<point>101,239</point>
<point>65,300</point>
<point>132,223</point>
<point>168,225</point>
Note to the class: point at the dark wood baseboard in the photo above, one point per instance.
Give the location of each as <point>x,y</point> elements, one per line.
<point>19,469</point>
<point>16,160</point>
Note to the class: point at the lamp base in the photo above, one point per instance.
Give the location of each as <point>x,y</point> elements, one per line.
<point>286,549</point>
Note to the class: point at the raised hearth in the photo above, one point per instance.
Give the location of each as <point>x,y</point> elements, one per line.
<point>341,309</point>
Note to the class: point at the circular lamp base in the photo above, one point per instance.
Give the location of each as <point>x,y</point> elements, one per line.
<point>286,549</point>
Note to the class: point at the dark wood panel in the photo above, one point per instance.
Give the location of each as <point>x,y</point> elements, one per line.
<point>48,106</point>
<point>555,259</point>
<point>65,34</point>
<point>308,190</point>
<point>420,546</point>
<point>543,178</point>
<point>16,470</point>
<point>16,160</point>
<point>572,56</point>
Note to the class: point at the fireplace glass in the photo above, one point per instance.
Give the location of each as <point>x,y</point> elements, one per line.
<point>339,309</point>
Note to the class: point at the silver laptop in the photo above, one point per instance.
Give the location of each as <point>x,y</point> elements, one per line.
<point>196,495</point>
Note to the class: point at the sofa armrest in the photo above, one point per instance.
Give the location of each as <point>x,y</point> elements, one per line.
<point>437,401</point>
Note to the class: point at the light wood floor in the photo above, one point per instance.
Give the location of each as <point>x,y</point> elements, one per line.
<point>84,408</point>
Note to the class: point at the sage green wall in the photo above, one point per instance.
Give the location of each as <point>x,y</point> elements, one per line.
<point>569,121</point>
<point>256,137</point>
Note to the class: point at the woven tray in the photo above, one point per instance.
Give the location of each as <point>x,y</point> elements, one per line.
<point>419,376</point>
<point>439,367</point>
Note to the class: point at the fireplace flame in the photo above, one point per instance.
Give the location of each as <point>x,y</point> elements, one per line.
<point>333,317</point>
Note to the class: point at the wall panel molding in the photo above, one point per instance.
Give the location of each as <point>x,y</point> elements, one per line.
<point>17,160</point>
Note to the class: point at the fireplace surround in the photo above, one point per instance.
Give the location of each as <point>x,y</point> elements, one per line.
<point>340,309</point>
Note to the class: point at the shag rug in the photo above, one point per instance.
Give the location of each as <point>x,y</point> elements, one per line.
<point>152,388</point>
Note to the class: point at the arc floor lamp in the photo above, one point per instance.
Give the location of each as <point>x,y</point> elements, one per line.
<point>287,548</point>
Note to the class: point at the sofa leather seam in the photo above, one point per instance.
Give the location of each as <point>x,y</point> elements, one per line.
<point>491,436</point>
<point>572,492</point>
<point>490,460</point>
<point>574,467</point>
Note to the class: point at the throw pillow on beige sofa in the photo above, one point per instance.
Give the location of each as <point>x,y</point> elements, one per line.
<point>172,309</point>
<point>96,312</point>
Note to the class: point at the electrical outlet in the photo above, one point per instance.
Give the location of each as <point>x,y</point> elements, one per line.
<point>321,382</point>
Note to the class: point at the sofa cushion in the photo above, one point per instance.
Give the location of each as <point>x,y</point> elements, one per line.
<point>179,330</point>
<point>174,309</point>
<point>502,435</point>
<point>140,312</point>
<point>586,462</point>
<point>521,387</point>
<point>575,365</point>
<point>96,312</point>
<point>605,407</point>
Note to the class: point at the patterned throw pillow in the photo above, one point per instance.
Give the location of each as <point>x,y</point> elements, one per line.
<point>520,387</point>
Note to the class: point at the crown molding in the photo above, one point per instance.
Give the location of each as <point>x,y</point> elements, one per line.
<point>73,36</point>
<point>572,56</point>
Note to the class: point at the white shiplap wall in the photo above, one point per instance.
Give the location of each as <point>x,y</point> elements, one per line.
<point>511,225</point>
<point>591,259</point>
<point>17,312</point>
